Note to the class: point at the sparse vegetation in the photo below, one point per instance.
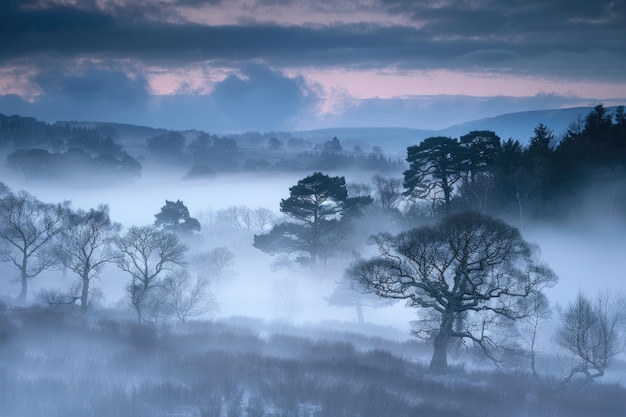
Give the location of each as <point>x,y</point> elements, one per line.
<point>110,367</point>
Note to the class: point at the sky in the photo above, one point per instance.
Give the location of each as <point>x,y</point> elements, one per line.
<point>240,65</point>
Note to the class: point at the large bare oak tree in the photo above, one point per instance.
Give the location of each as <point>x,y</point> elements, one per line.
<point>467,274</point>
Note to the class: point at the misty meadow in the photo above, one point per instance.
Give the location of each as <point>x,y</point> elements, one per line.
<point>153,272</point>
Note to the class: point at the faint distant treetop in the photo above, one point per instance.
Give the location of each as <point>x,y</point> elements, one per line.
<point>332,145</point>
<point>174,217</point>
<point>299,143</point>
<point>167,146</point>
<point>275,144</point>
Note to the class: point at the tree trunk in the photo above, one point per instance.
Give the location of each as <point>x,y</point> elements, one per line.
<point>84,296</point>
<point>439,361</point>
<point>447,196</point>
<point>24,290</point>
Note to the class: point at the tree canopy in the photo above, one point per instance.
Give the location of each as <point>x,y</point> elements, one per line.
<point>145,253</point>
<point>320,207</point>
<point>27,230</point>
<point>174,217</point>
<point>434,169</point>
<point>468,274</point>
<point>85,246</point>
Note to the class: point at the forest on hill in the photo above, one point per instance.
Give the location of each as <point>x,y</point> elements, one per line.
<point>541,177</point>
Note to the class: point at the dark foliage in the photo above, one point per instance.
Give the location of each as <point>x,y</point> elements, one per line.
<point>42,151</point>
<point>546,179</point>
<point>167,147</point>
<point>469,275</point>
<point>322,211</point>
<point>174,217</point>
<point>40,164</point>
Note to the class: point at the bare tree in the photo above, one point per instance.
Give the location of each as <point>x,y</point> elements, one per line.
<point>246,221</point>
<point>263,219</point>
<point>388,192</point>
<point>469,275</point>
<point>592,332</point>
<point>188,297</point>
<point>85,245</point>
<point>359,189</point>
<point>238,218</point>
<point>215,264</point>
<point>145,253</point>
<point>156,304</point>
<point>236,224</point>
<point>529,328</point>
<point>346,295</point>
<point>27,229</point>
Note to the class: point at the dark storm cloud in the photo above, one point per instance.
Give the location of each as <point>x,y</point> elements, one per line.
<point>257,99</point>
<point>261,99</point>
<point>94,84</point>
<point>551,38</point>
<point>93,93</point>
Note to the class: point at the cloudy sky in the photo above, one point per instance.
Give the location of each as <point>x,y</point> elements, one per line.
<point>236,65</point>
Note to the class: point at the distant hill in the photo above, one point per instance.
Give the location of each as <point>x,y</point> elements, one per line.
<point>521,125</point>
<point>124,130</point>
<point>393,140</point>
<point>512,125</point>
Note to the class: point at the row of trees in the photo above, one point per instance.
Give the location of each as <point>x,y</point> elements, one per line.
<point>36,236</point>
<point>479,171</point>
<point>41,164</point>
<point>28,132</point>
<point>41,151</point>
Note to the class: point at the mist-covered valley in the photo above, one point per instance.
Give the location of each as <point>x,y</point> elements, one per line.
<point>281,326</point>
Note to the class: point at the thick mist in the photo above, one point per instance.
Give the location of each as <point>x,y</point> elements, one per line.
<point>584,251</point>
<point>266,318</point>
<point>254,288</point>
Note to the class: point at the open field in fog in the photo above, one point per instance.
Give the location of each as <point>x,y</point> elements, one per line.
<point>59,364</point>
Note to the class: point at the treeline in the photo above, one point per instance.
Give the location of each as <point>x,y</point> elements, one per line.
<point>207,155</point>
<point>36,236</point>
<point>549,177</point>
<point>40,150</point>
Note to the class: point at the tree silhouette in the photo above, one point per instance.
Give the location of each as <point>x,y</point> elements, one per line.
<point>145,253</point>
<point>469,274</point>
<point>27,229</point>
<point>174,217</point>
<point>434,168</point>
<point>320,207</point>
<point>85,246</point>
